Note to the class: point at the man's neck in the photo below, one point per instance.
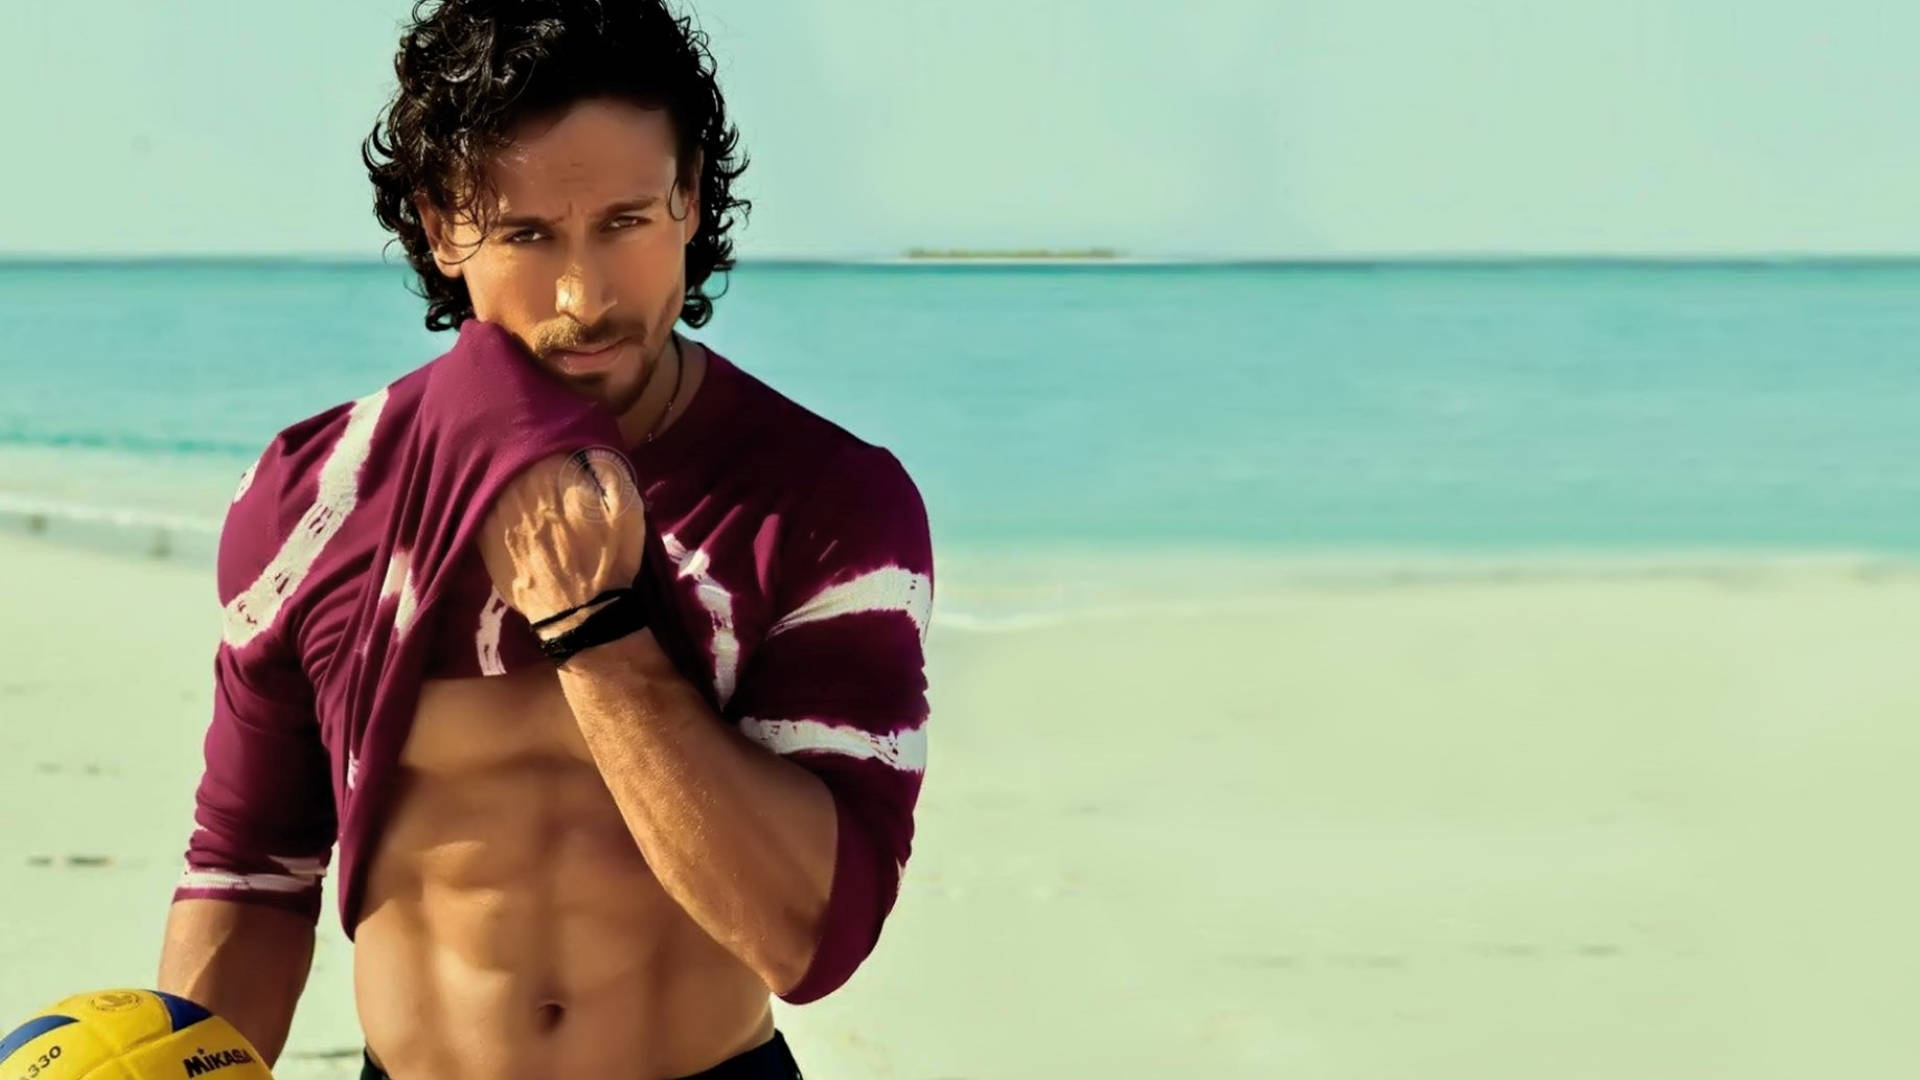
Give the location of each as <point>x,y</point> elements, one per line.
<point>681,363</point>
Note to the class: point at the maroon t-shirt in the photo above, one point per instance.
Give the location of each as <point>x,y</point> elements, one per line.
<point>788,564</point>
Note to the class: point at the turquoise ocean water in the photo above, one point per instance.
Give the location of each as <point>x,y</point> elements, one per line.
<point>1429,407</point>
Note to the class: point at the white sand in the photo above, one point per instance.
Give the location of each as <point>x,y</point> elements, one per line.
<point>1644,827</point>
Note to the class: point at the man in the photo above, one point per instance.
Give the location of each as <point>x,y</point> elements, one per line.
<point>610,822</point>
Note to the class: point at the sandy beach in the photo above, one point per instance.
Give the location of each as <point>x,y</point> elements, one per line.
<point>1573,825</point>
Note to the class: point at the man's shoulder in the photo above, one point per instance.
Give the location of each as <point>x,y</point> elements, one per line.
<point>788,431</point>
<point>850,501</point>
<point>310,466</point>
<point>299,451</point>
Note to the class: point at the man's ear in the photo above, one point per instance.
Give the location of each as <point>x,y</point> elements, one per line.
<point>445,254</point>
<point>690,225</point>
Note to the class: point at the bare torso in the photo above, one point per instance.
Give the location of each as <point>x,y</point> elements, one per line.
<point>511,927</point>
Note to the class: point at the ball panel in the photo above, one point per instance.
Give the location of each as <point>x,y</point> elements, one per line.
<point>212,1049</point>
<point>184,1013</point>
<point>60,1052</point>
<point>30,1031</point>
<point>122,1019</point>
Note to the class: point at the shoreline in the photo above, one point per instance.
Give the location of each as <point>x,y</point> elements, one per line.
<point>986,592</point>
<point>125,529</point>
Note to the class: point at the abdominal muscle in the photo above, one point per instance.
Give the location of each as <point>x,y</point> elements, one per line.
<point>511,927</point>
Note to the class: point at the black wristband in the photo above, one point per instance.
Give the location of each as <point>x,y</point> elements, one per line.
<point>626,614</point>
<point>608,594</point>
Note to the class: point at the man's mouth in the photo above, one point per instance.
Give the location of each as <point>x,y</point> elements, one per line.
<point>586,359</point>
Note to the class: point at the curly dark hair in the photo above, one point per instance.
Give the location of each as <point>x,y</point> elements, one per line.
<point>469,70</point>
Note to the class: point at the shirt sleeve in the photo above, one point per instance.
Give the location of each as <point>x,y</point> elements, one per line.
<point>838,685</point>
<point>264,813</point>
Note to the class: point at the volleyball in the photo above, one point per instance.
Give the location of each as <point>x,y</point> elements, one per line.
<point>127,1035</point>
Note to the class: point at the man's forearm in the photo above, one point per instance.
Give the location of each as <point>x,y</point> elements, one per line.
<point>244,962</point>
<point>742,839</point>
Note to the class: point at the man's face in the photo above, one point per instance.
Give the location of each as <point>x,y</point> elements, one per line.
<point>585,259</point>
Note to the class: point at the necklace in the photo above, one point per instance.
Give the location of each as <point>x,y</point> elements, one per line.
<point>679,373</point>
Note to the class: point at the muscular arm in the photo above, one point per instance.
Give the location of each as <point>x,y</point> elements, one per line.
<point>245,962</point>
<point>783,827</point>
<point>239,935</point>
<point>740,838</point>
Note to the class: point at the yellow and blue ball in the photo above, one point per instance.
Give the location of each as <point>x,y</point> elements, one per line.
<point>127,1035</point>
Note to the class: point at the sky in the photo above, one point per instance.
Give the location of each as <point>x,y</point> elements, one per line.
<point>1209,128</point>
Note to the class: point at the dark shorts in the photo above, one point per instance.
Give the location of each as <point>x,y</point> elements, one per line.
<point>771,1060</point>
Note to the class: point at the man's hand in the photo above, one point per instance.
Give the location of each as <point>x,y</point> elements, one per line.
<point>566,529</point>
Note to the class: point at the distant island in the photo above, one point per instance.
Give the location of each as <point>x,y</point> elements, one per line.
<point>1051,254</point>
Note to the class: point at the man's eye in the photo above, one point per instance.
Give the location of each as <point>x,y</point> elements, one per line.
<point>521,236</point>
<point>626,221</point>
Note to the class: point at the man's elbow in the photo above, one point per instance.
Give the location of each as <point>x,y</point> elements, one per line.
<point>820,954</point>
<point>825,940</point>
<point>783,952</point>
<point>782,967</point>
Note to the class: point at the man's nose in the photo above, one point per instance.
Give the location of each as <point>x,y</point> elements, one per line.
<point>581,294</point>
